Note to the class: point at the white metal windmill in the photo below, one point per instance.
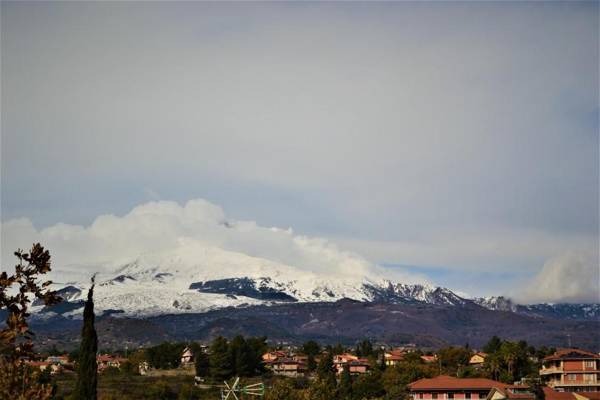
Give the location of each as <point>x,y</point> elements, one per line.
<point>232,392</point>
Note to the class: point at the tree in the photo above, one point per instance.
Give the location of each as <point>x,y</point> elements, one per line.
<point>311,363</point>
<point>311,348</point>
<point>364,348</point>
<point>283,389</point>
<point>326,370</point>
<point>202,364</point>
<point>345,385</point>
<point>394,383</point>
<point>258,347</point>
<point>165,355</point>
<point>87,374</point>
<point>537,389</point>
<point>321,390</point>
<point>17,381</point>
<point>368,386</point>
<point>220,367</point>
<point>241,359</point>
<point>493,345</point>
<point>452,359</point>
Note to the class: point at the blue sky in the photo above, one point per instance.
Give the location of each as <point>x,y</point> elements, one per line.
<point>457,135</point>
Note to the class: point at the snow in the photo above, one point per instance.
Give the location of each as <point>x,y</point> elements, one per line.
<point>159,283</point>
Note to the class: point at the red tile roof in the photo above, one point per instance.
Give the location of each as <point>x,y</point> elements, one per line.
<point>571,354</point>
<point>551,394</point>
<point>447,382</point>
<point>590,395</point>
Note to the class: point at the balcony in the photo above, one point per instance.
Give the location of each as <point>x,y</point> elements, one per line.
<point>576,383</point>
<point>551,370</point>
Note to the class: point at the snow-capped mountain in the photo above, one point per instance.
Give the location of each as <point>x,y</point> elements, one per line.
<point>497,303</point>
<point>578,311</point>
<point>195,277</point>
<point>198,278</point>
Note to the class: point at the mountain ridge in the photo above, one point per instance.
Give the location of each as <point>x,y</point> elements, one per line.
<point>196,278</point>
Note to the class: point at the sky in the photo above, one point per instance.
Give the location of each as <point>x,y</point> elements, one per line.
<point>453,141</point>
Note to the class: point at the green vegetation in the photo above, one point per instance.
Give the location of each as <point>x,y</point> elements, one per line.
<point>165,355</point>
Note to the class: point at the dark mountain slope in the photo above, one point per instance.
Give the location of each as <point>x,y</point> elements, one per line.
<point>344,321</point>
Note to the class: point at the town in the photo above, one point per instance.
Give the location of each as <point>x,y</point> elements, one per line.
<point>501,370</point>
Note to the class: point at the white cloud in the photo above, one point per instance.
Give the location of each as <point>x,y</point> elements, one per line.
<point>570,277</point>
<point>111,241</point>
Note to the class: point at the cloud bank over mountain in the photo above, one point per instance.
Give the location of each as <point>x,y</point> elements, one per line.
<point>571,277</point>
<point>155,227</point>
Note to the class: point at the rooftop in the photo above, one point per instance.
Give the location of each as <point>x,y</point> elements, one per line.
<point>447,382</point>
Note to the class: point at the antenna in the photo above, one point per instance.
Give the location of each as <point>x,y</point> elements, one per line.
<point>569,339</point>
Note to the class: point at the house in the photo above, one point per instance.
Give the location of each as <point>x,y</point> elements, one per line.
<point>511,392</point>
<point>62,360</point>
<point>288,367</point>
<point>302,359</point>
<point>572,370</point>
<point>478,359</point>
<point>106,360</point>
<point>551,394</point>
<point>271,356</point>
<point>42,365</point>
<point>187,356</point>
<point>343,358</point>
<point>445,387</point>
<point>358,367</point>
<point>393,357</point>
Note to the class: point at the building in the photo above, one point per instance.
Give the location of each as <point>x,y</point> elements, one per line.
<point>511,392</point>
<point>393,357</point>
<point>273,355</point>
<point>62,360</point>
<point>358,367</point>
<point>106,360</point>
<point>341,359</point>
<point>477,359</point>
<point>187,356</point>
<point>288,367</point>
<point>55,368</point>
<point>552,394</point>
<point>445,387</point>
<point>572,370</point>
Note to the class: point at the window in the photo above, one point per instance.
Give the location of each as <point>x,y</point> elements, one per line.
<point>467,395</point>
<point>450,395</point>
<point>590,364</point>
<point>571,377</point>
<point>420,395</point>
<point>434,395</point>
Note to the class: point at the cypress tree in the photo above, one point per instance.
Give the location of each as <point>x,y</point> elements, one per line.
<point>87,377</point>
